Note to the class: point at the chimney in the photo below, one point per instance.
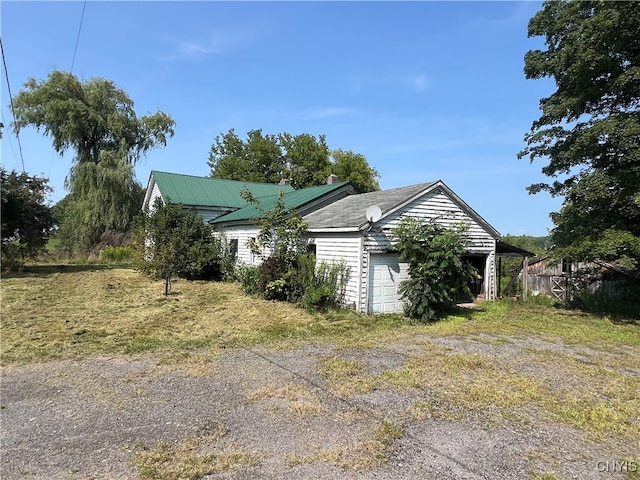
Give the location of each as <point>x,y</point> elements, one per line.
<point>285,181</point>
<point>332,179</point>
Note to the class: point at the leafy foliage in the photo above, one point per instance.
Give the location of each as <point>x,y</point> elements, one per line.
<point>118,255</point>
<point>282,230</point>
<point>289,273</point>
<point>96,120</point>
<point>304,159</point>
<point>438,275</point>
<point>324,286</point>
<point>26,219</point>
<point>590,126</point>
<point>171,241</point>
<point>354,167</point>
<point>103,196</point>
<point>314,288</point>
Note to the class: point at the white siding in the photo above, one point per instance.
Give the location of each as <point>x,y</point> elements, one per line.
<point>347,247</point>
<point>209,213</point>
<point>243,234</point>
<point>155,193</point>
<point>436,205</point>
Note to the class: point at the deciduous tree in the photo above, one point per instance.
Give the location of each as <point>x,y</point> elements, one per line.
<point>170,241</point>
<point>589,129</point>
<point>304,159</point>
<point>26,219</point>
<point>96,120</point>
<point>353,167</point>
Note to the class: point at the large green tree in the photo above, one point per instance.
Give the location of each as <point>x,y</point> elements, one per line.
<point>26,219</point>
<point>589,129</point>
<point>96,120</point>
<point>354,167</point>
<point>304,159</point>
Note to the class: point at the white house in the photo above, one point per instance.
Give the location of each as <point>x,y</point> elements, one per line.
<point>340,231</point>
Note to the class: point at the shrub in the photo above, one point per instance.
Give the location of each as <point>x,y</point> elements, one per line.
<point>438,275</point>
<point>247,276</point>
<point>326,287</point>
<point>171,241</point>
<point>116,254</point>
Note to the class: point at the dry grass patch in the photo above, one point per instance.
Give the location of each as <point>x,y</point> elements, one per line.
<point>300,400</point>
<point>363,455</point>
<point>82,311</point>
<point>597,398</point>
<point>78,312</point>
<point>190,460</point>
<point>192,363</point>
<point>346,377</point>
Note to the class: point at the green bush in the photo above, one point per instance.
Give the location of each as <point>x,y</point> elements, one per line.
<point>172,241</point>
<point>116,255</point>
<point>326,288</point>
<point>438,276</point>
<point>624,300</point>
<point>247,276</point>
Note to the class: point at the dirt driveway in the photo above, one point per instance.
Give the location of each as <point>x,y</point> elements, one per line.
<point>274,413</point>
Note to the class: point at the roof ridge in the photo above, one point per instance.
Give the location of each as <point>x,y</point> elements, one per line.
<point>214,178</point>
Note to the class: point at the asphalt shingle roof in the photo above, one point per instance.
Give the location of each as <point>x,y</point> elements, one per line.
<point>211,192</point>
<point>349,212</point>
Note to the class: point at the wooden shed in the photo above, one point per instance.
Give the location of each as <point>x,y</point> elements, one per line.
<point>556,277</point>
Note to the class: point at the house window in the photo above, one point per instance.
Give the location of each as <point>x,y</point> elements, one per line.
<point>253,255</point>
<point>233,248</point>
<point>311,248</point>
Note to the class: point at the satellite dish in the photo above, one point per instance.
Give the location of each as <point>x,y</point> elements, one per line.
<point>373,213</point>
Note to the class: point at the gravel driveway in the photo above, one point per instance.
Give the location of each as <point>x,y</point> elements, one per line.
<point>270,414</point>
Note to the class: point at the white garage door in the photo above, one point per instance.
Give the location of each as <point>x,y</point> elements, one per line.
<point>385,275</point>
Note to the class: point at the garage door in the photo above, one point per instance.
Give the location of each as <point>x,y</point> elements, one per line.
<point>385,275</point>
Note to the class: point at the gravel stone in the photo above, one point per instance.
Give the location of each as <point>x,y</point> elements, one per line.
<point>85,419</point>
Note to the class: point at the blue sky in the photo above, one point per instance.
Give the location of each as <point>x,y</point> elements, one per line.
<point>424,90</point>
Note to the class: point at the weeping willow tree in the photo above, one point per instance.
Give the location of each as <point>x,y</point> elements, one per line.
<point>96,120</point>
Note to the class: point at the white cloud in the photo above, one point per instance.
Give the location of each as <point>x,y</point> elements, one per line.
<point>327,112</point>
<point>212,43</point>
<point>193,49</point>
<point>419,82</point>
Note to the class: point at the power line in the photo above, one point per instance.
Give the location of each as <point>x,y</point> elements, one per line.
<point>17,130</point>
<point>75,50</point>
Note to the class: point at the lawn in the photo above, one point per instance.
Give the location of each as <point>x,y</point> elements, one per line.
<point>502,361</point>
<point>78,311</point>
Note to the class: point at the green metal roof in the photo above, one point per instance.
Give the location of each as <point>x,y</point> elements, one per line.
<point>291,199</point>
<point>211,192</point>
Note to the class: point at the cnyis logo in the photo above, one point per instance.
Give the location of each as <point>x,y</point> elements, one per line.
<point>617,466</point>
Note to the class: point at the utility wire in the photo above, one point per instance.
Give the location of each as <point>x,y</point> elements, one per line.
<point>6,72</point>
<point>366,409</point>
<point>75,50</point>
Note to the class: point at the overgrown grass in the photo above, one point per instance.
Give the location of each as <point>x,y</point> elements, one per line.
<point>82,310</point>
<point>77,311</point>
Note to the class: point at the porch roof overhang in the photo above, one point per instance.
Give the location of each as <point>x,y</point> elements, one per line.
<point>504,249</point>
